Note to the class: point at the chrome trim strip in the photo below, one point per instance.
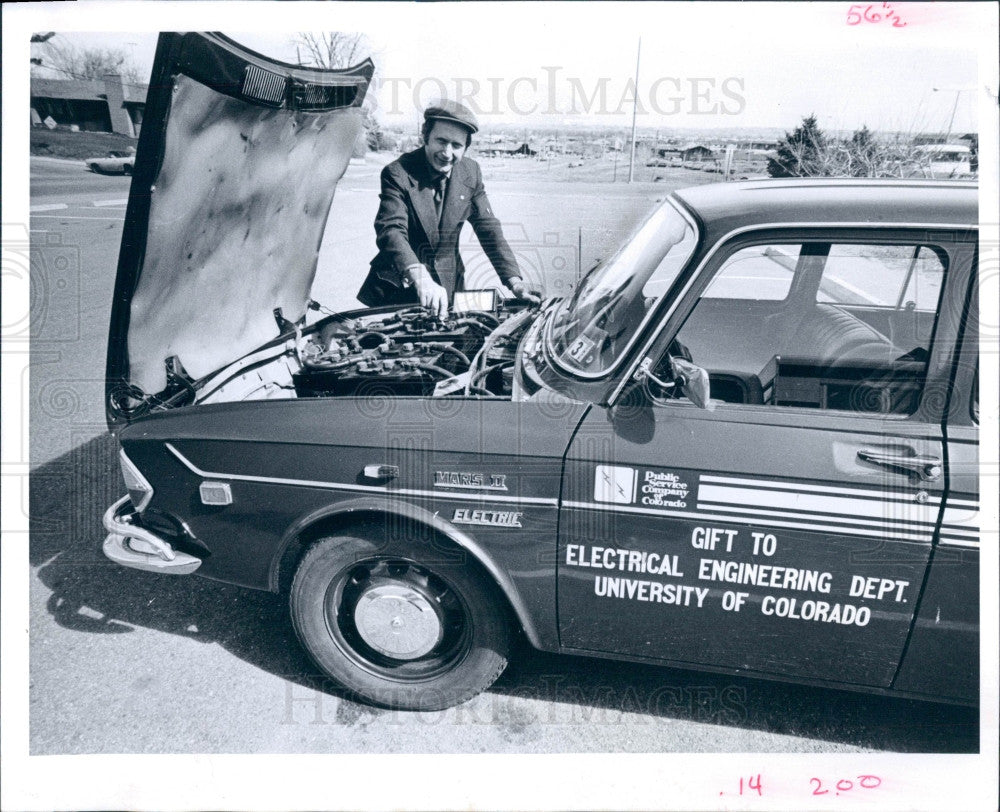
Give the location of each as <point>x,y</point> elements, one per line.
<point>960,532</point>
<point>900,535</point>
<point>955,543</point>
<point>134,470</point>
<point>724,240</point>
<point>910,524</point>
<point>345,486</point>
<point>805,487</point>
<point>802,504</point>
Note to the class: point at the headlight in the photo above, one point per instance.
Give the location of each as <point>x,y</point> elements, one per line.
<point>139,490</point>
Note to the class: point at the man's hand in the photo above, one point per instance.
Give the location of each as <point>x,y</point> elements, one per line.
<point>431,295</point>
<point>520,290</point>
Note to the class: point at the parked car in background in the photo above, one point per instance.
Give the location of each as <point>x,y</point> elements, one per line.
<point>747,443</point>
<point>943,161</point>
<point>116,162</point>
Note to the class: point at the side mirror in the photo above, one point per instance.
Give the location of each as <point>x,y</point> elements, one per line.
<point>694,382</point>
<point>691,378</point>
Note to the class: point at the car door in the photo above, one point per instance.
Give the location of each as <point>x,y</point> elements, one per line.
<point>788,530</point>
<point>942,656</point>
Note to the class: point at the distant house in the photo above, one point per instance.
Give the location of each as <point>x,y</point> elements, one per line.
<point>98,105</point>
<point>941,138</point>
<point>496,150</point>
<point>697,152</point>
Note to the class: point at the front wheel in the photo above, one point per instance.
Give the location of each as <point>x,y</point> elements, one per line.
<point>396,632</point>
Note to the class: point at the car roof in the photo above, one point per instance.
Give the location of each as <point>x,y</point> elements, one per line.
<point>726,207</point>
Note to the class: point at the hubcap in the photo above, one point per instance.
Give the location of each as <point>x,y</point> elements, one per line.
<point>398,621</point>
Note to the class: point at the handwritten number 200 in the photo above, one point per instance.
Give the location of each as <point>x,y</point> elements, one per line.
<point>865,781</point>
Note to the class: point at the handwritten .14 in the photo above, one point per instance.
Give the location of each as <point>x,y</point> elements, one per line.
<point>751,783</point>
<point>874,14</point>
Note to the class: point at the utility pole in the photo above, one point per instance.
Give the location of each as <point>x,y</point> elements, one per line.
<point>635,105</point>
<point>958,91</point>
<point>951,121</point>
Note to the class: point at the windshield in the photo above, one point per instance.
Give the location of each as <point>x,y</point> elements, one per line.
<point>590,330</point>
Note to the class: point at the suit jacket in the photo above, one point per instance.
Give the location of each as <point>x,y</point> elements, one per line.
<point>407,229</point>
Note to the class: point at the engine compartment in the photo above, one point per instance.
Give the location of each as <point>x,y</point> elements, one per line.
<point>410,352</point>
<point>405,352</point>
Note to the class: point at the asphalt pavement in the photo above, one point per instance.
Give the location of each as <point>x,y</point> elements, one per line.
<point>123,661</point>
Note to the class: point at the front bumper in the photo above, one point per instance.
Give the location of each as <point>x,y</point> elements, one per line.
<point>133,546</point>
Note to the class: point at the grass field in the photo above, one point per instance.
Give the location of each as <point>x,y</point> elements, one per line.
<point>68,144</point>
<point>572,168</point>
<point>63,143</point>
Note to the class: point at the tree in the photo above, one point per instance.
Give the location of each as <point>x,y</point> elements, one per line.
<point>799,154</point>
<point>862,156</point>
<point>68,61</point>
<point>331,49</point>
<point>337,49</point>
<point>808,152</point>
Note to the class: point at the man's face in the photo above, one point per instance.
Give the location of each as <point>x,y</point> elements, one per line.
<point>445,145</point>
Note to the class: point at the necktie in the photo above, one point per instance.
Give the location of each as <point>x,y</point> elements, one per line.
<point>440,188</point>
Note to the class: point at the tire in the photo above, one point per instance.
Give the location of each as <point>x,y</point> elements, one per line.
<point>126,169</point>
<point>397,633</point>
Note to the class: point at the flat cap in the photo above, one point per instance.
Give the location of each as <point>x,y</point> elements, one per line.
<point>446,110</point>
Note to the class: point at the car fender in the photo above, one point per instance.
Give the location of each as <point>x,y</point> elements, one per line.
<point>412,513</point>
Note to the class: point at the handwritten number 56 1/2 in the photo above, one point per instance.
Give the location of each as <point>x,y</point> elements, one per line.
<point>858,14</point>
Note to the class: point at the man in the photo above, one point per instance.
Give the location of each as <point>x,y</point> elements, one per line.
<point>427,195</point>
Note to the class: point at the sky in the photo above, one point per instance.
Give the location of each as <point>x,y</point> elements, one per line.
<point>755,65</point>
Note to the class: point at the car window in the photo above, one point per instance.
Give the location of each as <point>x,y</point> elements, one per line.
<point>882,276</point>
<point>760,272</point>
<point>590,330</point>
<point>670,266</point>
<point>818,325</point>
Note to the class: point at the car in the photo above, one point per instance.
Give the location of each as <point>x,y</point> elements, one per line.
<point>747,443</point>
<point>116,162</point>
<point>941,161</point>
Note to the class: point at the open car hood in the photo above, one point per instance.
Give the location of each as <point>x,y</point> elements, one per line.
<point>237,164</point>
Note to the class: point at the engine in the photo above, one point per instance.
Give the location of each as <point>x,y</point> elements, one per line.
<point>409,352</point>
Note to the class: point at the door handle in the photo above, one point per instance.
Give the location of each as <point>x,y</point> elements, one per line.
<point>920,466</point>
<point>382,472</point>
